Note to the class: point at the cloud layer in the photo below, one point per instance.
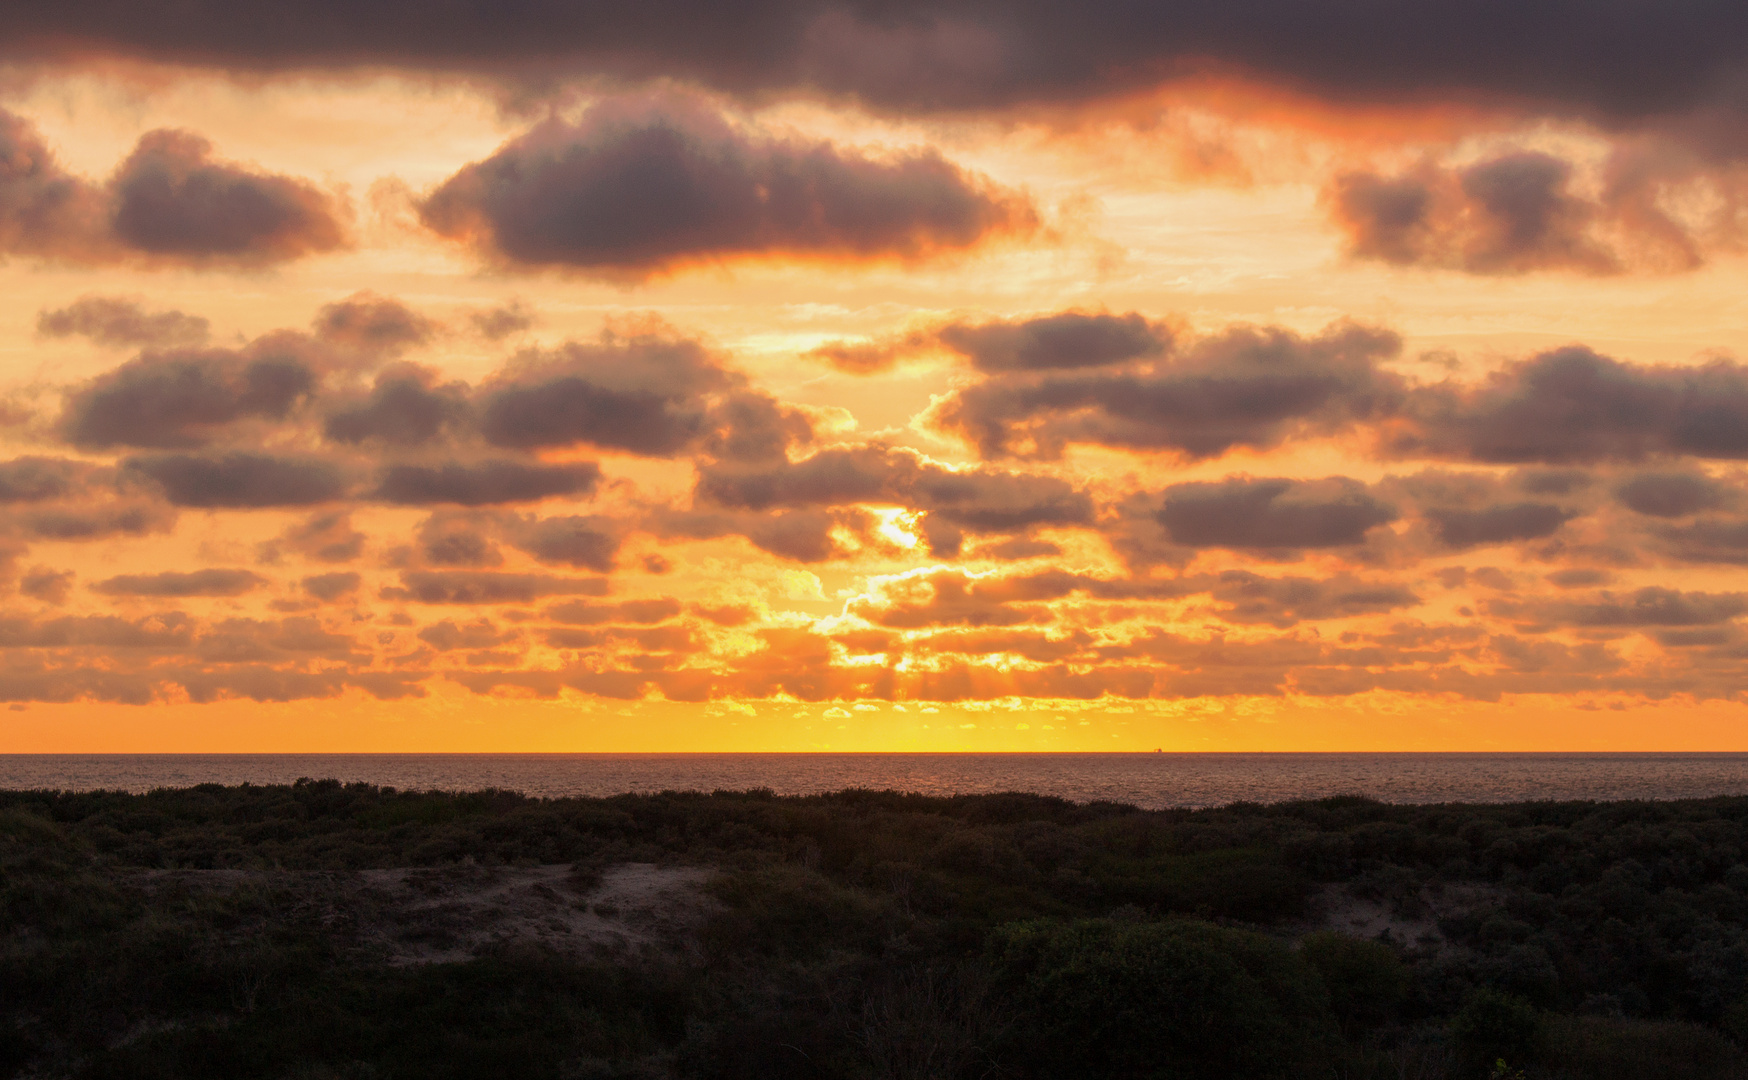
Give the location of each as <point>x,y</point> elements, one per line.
<point>1523,532</point>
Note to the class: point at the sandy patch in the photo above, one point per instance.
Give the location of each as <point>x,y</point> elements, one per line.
<point>1411,921</point>
<point>424,915</point>
<point>438,915</point>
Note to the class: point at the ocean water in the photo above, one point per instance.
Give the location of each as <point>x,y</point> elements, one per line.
<point>1148,780</point>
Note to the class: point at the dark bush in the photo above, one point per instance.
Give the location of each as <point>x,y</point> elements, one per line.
<point>1367,982</point>
<point>1133,1000</point>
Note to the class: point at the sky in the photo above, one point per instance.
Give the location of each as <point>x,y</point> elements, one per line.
<point>796,375</point>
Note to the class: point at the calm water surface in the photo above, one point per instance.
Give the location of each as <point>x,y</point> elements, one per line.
<point>1148,780</point>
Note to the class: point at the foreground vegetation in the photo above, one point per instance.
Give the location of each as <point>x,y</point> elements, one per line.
<point>194,933</point>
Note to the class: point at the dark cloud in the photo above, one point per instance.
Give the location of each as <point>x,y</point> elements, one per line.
<point>1670,495</point>
<point>448,635</point>
<point>1630,62</point>
<point>47,584</point>
<point>752,427</point>
<point>37,479</point>
<point>1251,387</point>
<point>1497,524</point>
<point>1652,606</point>
<point>167,631</point>
<point>370,324</point>
<point>637,187</point>
<point>325,537</point>
<point>169,202</point>
<point>636,612</point>
<point>1707,540</point>
<point>241,481</point>
<point>1069,339</point>
<point>121,322</point>
<point>1507,215</point>
<point>1579,578</point>
<point>505,320</point>
<point>331,587</point>
<point>172,200</point>
<point>173,400</point>
<point>589,543</point>
<point>486,483</point>
<point>1240,512</point>
<point>405,408</point>
<point>94,521</point>
<point>1248,598</point>
<point>1573,405</point>
<point>643,393</point>
<point>485,587</point>
<point>1061,341</point>
<point>172,583</point>
<point>44,210</point>
<point>451,539</point>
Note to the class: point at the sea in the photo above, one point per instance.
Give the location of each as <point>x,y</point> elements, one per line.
<point>1148,780</point>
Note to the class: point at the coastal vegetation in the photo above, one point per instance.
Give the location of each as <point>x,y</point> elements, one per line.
<point>327,930</point>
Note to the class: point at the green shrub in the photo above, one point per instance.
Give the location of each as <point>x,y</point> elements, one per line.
<point>1366,980</point>
<point>1494,1026</point>
<point>1615,1048</point>
<point>1178,1000</point>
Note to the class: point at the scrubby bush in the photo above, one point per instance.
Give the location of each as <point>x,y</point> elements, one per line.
<point>1176,1000</point>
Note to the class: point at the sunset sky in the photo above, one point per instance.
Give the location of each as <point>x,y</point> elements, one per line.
<point>1240,375</point>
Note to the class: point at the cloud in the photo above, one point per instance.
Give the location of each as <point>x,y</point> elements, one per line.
<point>44,210</point>
<point>173,583</point>
<point>327,536</point>
<point>241,481</point>
<point>331,587</point>
<point>458,539</point>
<point>1065,340</point>
<point>1250,387</point>
<point>404,408</point>
<point>1247,598</point>
<point>1507,215</point>
<point>505,320</point>
<point>186,398</point>
<point>1707,540</point>
<point>1634,61</point>
<point>641,392</point>
<point>1060,341</point>
<point>121,322</point>
<point>170,202</point>
<point>980,501</point>
<point>39,479</point>
<point>1670,495</point>
<point>1652,606</point>
<point>1497,524</point>
<point>448,635</point>
<point>485,587</point>
<point>372,325</point>
<point>638,612</point>
<point>47,584</point>
<point>170,199</point>
<point>1240,512</point>
<point>589,543</point>
<point>1573,405</point>
<point>638,187</point>
<point>486,483</point>
<point>94,521</point>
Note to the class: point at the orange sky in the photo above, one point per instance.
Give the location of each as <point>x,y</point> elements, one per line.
<point>403,408</point>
